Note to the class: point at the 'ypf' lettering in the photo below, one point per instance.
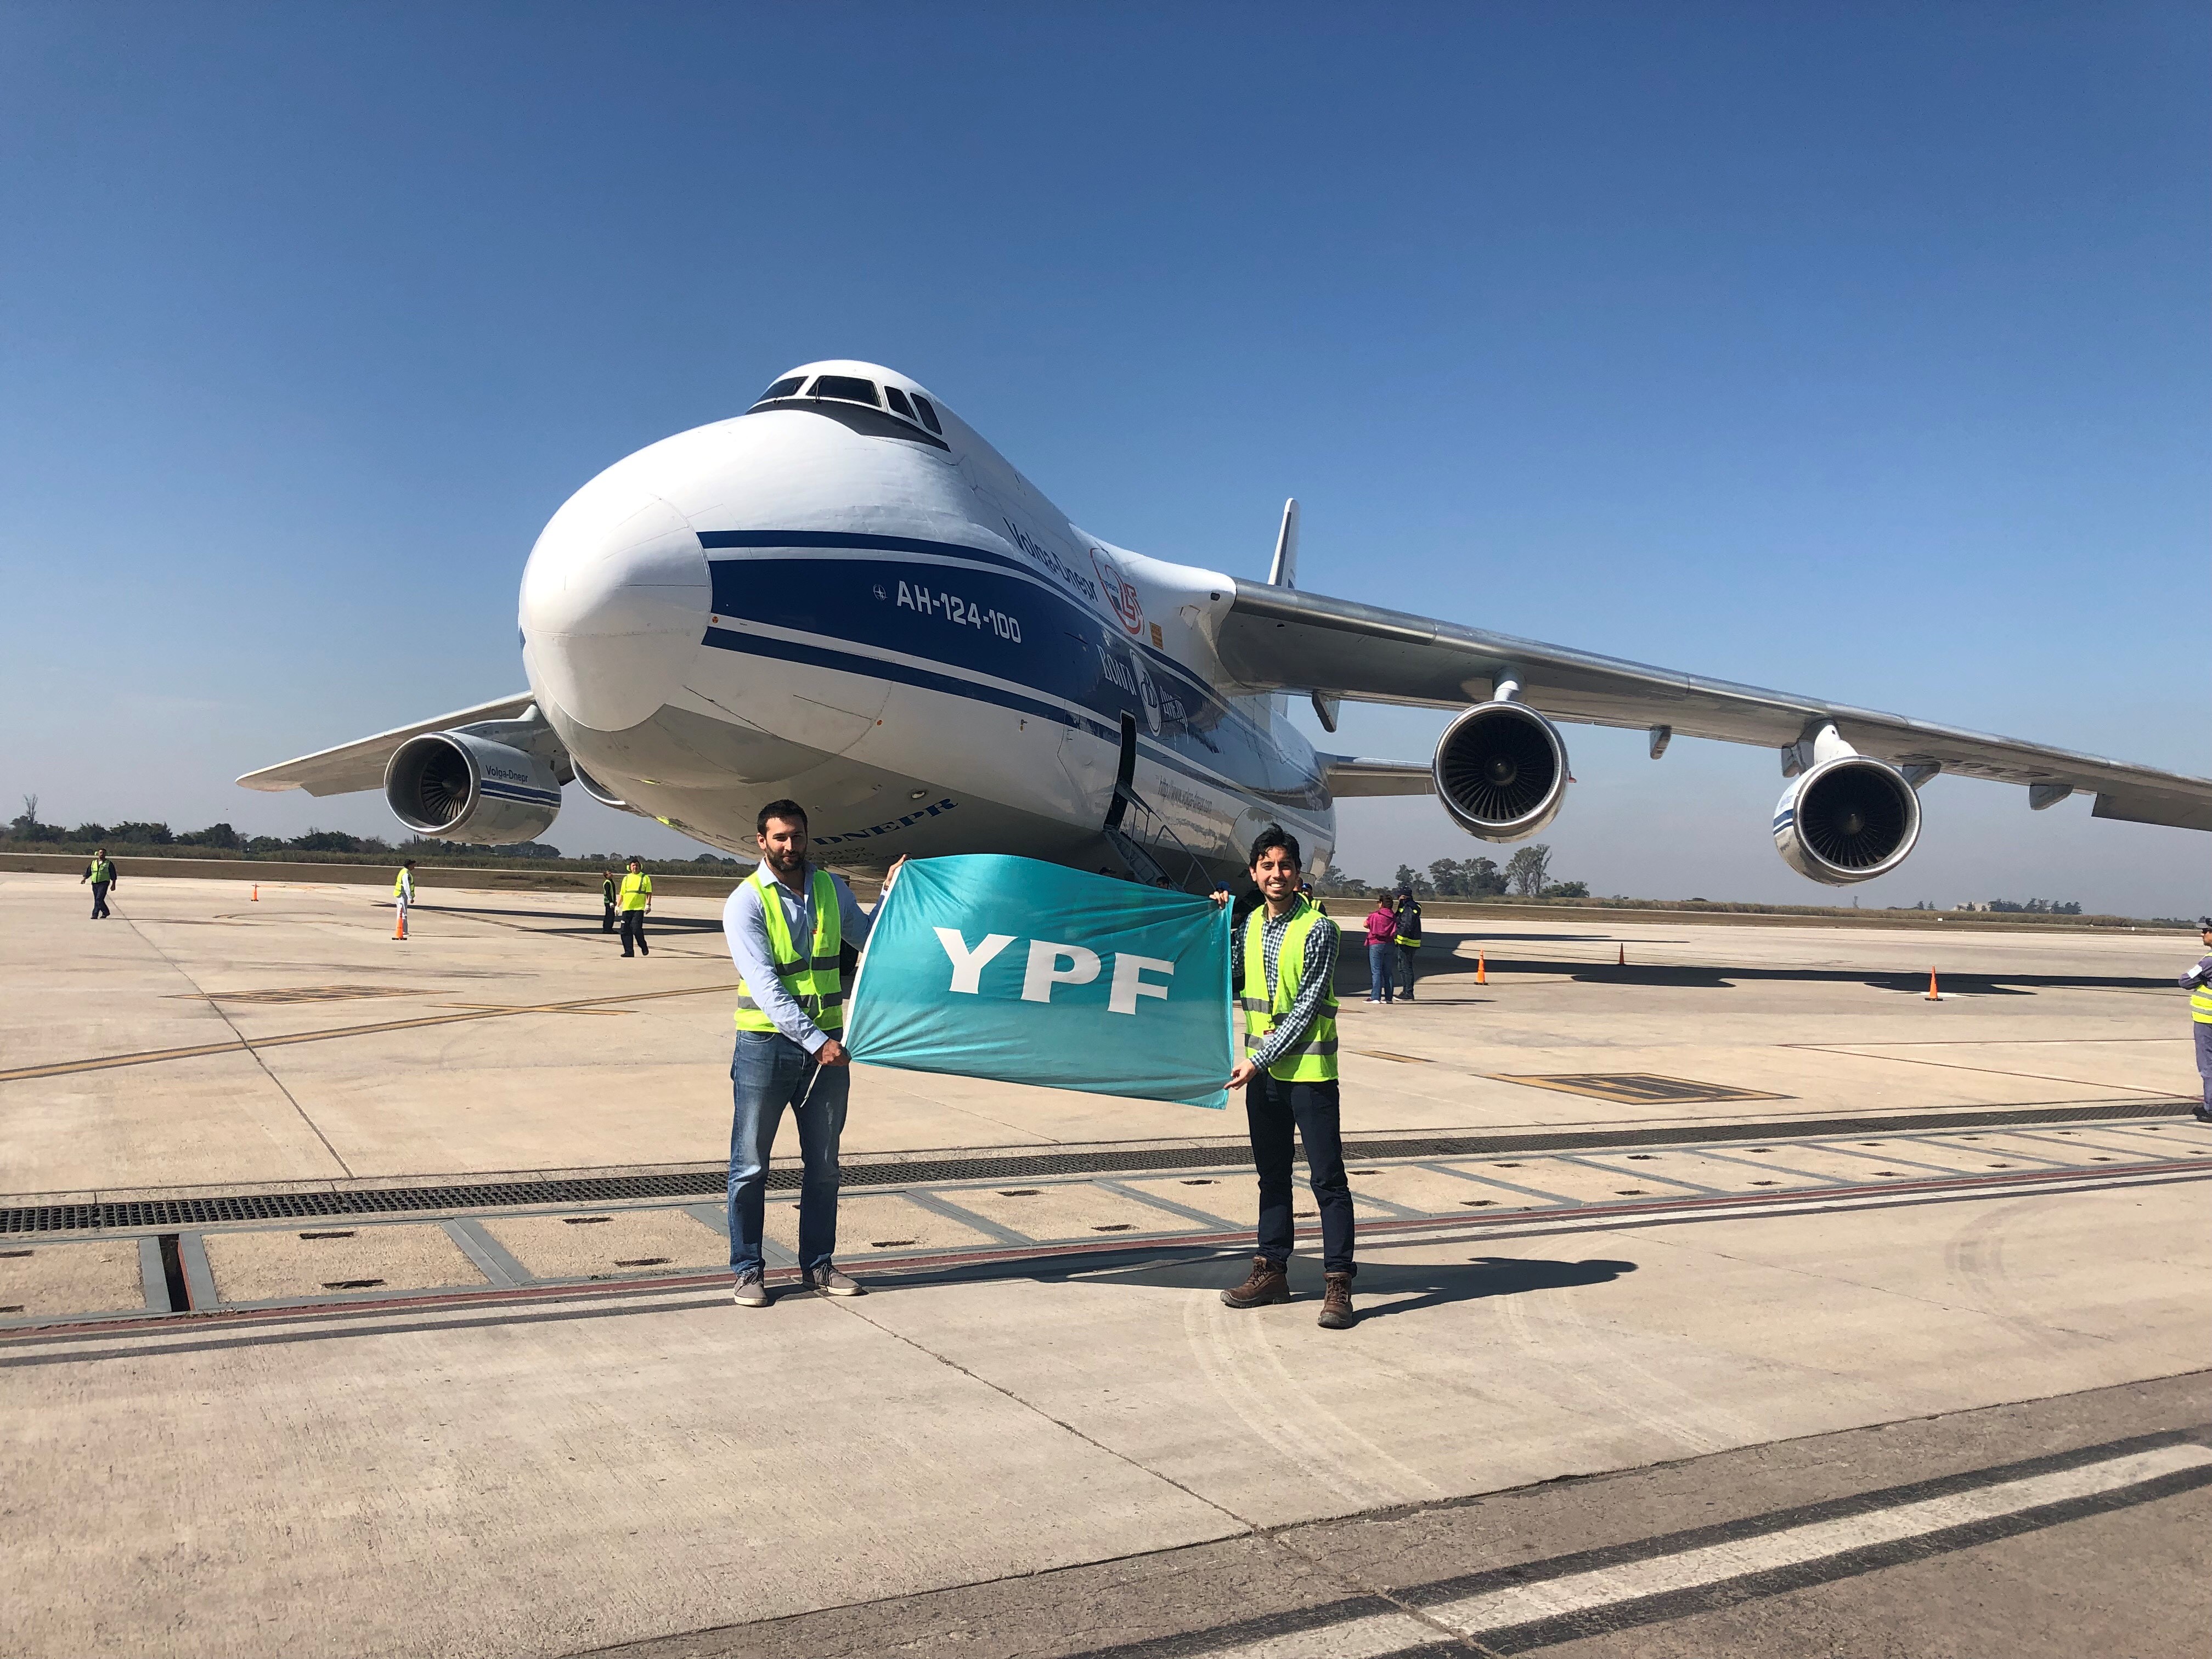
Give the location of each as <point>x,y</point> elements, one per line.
<point>1052,963</point>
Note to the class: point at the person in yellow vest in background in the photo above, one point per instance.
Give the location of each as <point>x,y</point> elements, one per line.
<point>634,898</point>
<point>1409,940</point>
<point>2198,982</point>
<point>102,874</point>
<point>608,891</point>
<point>1283,963</point>
<point>402,896</point>
<point>786,924</point>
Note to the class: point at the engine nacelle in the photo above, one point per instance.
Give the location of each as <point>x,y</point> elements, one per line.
<point>1501,771</point>
<point>1848,819</point>
<point>454,785</point>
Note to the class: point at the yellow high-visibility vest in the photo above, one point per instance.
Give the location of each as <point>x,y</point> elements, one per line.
<point>812,977</point>
<point>1313,1060</point>
<point>636,888</point>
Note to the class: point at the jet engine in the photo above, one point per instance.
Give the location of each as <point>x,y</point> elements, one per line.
<point>1848,818</point>
<point>455,786</point>
<point>1501,770</point>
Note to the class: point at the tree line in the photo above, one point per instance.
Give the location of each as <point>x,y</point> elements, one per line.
<point>1527,874</point>
<point>223,837</point>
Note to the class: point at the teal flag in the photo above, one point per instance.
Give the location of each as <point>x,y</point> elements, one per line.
<point>1007,968</point>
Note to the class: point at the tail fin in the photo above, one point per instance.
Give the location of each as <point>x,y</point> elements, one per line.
<point>1283,573</point>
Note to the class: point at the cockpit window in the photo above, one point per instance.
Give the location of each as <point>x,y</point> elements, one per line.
<point>787,387</point>
<point>846,389</point>
<point>928,414</point>
<point>899,405</point>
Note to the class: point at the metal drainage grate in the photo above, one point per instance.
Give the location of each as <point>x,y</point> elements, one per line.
<point>168,1213</point>
<point>1637,1088</point>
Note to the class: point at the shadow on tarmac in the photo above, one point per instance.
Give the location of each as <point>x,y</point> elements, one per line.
<point>582,924</point>
<point>1693,976</point>
<point>1413,1287</point>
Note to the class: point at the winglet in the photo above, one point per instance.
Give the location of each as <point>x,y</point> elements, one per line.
<point>1283,573</point>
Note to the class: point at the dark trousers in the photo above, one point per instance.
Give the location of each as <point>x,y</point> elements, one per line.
<point>99,900</point>
<point>633,931</point>
<point>2204,1055</point>
<point>607,922</point>
<point>1406,955</point>
<point>1272,1109</point>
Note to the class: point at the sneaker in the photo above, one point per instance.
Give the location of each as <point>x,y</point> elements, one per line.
<point>2202,1115</point>
<point>751,1291</point>
<point>1267,1283</point>
<point>826,1280</point>
<point>1336,1313</point>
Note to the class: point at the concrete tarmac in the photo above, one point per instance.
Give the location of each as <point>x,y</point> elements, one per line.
<point>1872,1263</point>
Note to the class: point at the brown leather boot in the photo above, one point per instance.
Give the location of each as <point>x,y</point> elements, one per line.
<point>1336,1313</point>
<point>1268,1283</point>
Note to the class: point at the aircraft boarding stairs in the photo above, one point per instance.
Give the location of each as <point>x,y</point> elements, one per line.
<point>1140,837</point>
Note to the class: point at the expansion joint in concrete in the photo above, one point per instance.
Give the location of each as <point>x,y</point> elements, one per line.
<point>223,1014</point>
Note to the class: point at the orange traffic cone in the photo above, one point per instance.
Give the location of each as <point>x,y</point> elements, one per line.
<point>1623,963</point>
<point>1933,994</point>
<point>1481,970</point>
<point>399,930</point>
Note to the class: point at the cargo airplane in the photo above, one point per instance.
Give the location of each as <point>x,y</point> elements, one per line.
<point>846,596</point>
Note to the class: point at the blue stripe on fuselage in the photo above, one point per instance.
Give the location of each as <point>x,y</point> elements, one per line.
<point>1008,628</point>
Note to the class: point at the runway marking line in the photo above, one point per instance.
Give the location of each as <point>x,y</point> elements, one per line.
<point>1517,1606</point>
<point>1649,1581</point>
<point>1765,1559</point>
<point>247,1045</point>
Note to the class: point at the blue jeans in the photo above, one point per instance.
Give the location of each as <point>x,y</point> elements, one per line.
<point>768,1072</point>
<point>1381,969</point>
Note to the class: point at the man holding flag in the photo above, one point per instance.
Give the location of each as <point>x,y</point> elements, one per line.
<point>1282,965</point>
<point>786,924</point>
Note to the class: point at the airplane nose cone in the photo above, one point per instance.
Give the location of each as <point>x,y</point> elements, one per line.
<point>615,601</point>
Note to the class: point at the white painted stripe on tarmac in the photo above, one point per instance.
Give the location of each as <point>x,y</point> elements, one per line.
<point>1715,1563</point>
<point>1361,1639</point>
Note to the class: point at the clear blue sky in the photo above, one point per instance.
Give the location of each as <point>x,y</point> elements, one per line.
<point>1856,351</point>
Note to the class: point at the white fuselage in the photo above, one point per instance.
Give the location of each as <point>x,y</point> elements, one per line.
<point>819,601</point>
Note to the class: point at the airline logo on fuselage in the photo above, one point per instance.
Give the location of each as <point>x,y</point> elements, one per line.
<point>1120,596</point>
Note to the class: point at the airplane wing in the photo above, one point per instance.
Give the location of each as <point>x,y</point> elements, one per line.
<point>1346,774</point>
<point>1274,638</point>
<point>359,764</point>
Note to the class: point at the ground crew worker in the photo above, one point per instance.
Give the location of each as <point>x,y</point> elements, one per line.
<point>403,895</point>
<point>786,924</point>
<point>1382,951</point>
<point>634,898</point>
<point>102,874</point>
<point>2198,982</point>
<point>1283,962</point>
<point>1409,940</point>
<point>607,898</point>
